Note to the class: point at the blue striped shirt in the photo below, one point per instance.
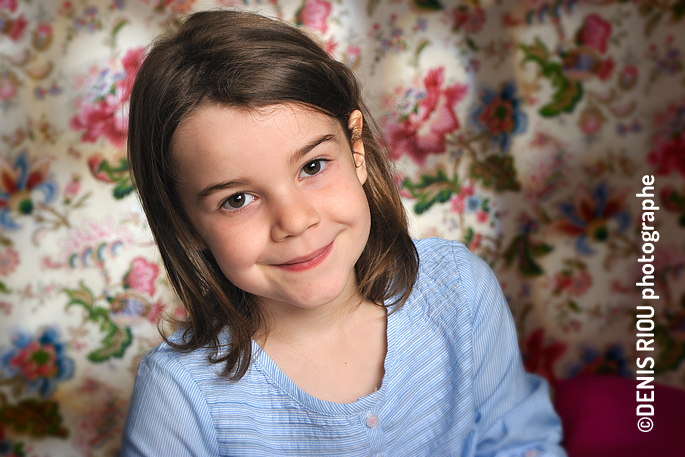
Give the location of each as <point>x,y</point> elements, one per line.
<point>454,385</point>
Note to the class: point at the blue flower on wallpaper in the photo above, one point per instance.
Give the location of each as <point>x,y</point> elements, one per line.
<point>592,216</point>
<point>41,361</point>
<point>472,203</point>
<point>499,115</point>
<point>127,307</point>
<point>24,185</point>
<point>612,361</point>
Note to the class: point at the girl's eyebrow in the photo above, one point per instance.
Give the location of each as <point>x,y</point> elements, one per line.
<point>213,188</point>
<point>303,151</point>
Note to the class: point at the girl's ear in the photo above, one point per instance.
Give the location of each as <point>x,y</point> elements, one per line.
<point>355,125</point>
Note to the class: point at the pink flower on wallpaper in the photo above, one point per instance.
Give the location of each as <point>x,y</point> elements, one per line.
<point>142,275</point>
<point>19,181</point>
<point>591,120</point>
<point>103,110</point>
<point>177,6</point>
<point>595,33</point>
<point>467,19</point>
<point>15,28</point>
<point>605,69</point>
<point>10,5</point>
<point>669,155</point>
<point>131,63</point>
<point>156,311</point>
<point>475,242</point>
<point>672,199</point>
<point>36,361</point>
<point>458,206</point>
<point>41,361</point>
<point>9,260</point>
<point>353,52</point>
<point>95,164</point>
<point>351,56</point>
<point>540,358</point>
<point>329,46</point>
<point>101,119</point>
<point>628,77</point>
<point>580,284</point>
<point>421,130</point>
<point>42,36</point>
<point>314,14</point>
<point>8,85</point>
<point>72,188</point>
<point>575,285</point>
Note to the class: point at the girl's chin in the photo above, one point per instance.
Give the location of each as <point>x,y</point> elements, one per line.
<point>308,300</point>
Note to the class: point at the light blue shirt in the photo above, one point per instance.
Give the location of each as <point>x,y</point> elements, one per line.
<point>454,385</point>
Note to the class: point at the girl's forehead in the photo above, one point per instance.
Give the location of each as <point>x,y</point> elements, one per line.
<point>214,121</point>
<point>280,113</point>
<point>293,119</point>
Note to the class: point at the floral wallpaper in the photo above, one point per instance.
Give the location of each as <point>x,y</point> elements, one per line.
<point>521,128</point>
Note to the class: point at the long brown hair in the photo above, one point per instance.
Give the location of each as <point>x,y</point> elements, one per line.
<point>245,60</point>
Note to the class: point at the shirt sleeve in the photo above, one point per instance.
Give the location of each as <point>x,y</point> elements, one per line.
<point>168,414</point>
<point>514,414</point>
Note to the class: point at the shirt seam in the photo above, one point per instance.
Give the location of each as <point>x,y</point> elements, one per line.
<point>181,366</point>
<point>259,366</point>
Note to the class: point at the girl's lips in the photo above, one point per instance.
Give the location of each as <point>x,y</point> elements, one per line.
<point>307,262</point>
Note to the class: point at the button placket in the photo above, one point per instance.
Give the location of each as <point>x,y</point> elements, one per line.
<point>371,421</point>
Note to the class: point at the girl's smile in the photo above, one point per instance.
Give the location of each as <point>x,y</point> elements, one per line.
<point>307,262</point>
<point>276,196</point>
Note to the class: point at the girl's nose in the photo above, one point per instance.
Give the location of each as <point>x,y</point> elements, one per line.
<point>292,217</point>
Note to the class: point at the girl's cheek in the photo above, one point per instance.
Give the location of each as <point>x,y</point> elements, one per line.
<point>239,242</point>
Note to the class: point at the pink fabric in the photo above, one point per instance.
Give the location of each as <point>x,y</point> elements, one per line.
<point>599,418</point>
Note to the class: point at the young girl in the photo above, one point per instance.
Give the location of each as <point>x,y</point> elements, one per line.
<point>316,325</point>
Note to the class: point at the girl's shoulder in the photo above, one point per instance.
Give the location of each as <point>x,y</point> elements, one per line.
<point>450,261</point>
<point>166,358</point>
<point>438,250</point>
<point>452,280</point>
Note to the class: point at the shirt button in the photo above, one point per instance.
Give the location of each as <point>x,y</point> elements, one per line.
<point>372,421</point>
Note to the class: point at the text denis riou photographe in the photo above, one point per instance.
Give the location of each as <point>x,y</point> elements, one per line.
<point>645,311</point>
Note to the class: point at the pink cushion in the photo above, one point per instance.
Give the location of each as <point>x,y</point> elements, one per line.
<point>598,414</point>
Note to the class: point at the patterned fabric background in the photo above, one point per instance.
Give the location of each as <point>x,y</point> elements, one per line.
<point>521,128</point>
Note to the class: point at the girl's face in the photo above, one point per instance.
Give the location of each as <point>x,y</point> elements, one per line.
<point>276,196</point>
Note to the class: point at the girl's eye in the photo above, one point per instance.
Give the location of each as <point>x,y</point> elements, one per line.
<point>313,167</point>
<point>237,201</point>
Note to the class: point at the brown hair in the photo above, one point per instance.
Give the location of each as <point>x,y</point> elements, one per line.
<point>245,60</point>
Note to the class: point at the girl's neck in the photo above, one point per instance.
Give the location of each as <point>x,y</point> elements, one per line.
<point>333,357</point>
<point>297,325</point>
